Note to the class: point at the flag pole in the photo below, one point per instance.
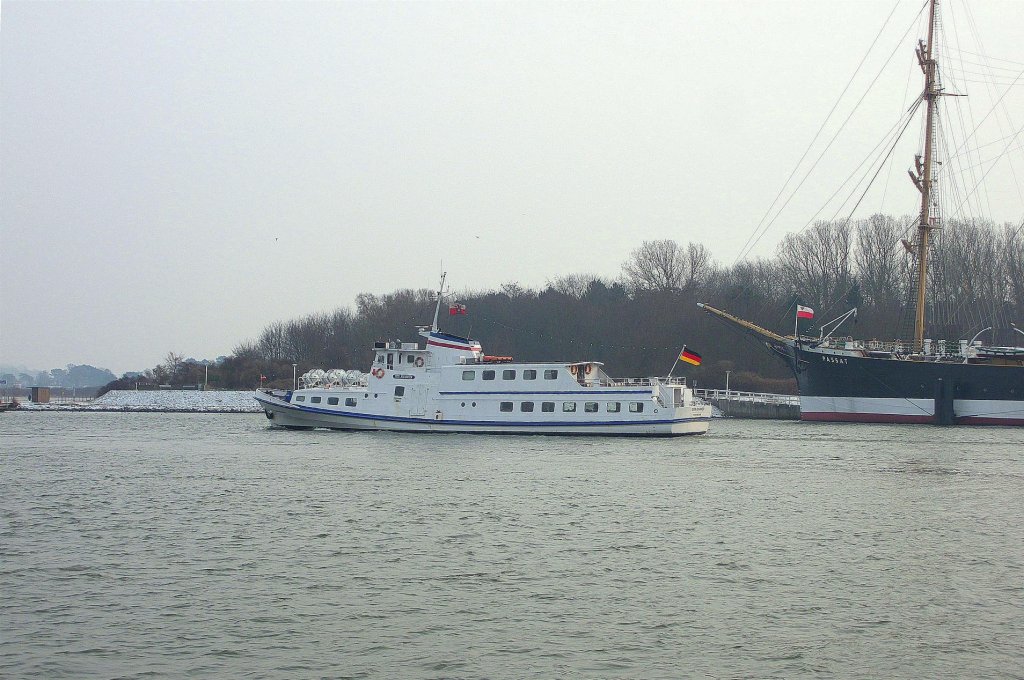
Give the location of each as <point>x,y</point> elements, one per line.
<point>675,362</point>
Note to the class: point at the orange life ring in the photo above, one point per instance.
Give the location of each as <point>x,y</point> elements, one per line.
<point>572,369</point>
<point>378,373</point>
<point>589,369</point>
<point>419,362</point>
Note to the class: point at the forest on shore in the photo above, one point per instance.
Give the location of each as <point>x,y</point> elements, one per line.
<point>636,323</point>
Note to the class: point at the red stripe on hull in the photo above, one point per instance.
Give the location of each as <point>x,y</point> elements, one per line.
<point>981,420</point>
<point>898,418</point>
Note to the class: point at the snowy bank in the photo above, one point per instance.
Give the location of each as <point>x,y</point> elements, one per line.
<point>161,400</point>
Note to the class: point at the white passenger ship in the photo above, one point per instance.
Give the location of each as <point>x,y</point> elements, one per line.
<point>450,385</point>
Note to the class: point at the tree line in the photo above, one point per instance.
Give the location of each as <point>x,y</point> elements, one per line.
<point>72,376</point>
<point>637,323</point>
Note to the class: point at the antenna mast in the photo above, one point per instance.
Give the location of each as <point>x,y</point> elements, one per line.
<point>924,180</point>
<point>440,296</point>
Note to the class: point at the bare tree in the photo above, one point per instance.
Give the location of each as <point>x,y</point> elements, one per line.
<point>173,363</point>
<point>514,290</point>
<point>272,342</point>
<point>881,260</point>
<point>1011,250</point>
<point>699,265</point>
<point>816,262</point>
<point>655,265</point>
<point>573,285</point>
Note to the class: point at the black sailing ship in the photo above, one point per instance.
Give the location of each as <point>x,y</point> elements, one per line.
<point>921,381</point>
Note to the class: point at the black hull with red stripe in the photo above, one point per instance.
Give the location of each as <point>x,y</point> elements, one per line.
<point>837,386</point>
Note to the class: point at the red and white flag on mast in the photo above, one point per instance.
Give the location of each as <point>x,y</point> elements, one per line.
<point>804,312</point>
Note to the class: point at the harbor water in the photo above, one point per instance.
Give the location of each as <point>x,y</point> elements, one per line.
<point>195,545</point>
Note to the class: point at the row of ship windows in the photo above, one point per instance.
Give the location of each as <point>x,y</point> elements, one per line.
<point>509,407</point>
<point>409,358</point>
<point>510,374</point>
<point>333,401</point>
<point>570,407</point>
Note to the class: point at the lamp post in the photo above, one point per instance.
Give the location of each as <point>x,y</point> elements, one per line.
<point>206,378</point>
<point>295,384</point>
<point>727,383</point>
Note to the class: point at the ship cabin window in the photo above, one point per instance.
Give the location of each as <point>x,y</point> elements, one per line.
<point>636,407</point>
<point>526,407</point>
<point>302,398</point>
<point>409,358</point>
<point>590,407</point>
<point>469,375</point>
<point>547,406</point>
<point>614,407</point>
<point>529,374</point>
<point>315,400</point>
<point>488,375</point>
<point>400,391</point>
<point>391,361</point>
<point>569,407</point>
<point>380,358</point>
<point>505,407</point>
<point>508,374</point>
<point>550,374</point>
<point>350,401</point>
<point>333,401</point>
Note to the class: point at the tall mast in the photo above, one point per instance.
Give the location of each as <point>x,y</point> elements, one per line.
<point>926,58</point>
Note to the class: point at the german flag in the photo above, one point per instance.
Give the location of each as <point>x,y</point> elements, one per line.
<point>689,356</point>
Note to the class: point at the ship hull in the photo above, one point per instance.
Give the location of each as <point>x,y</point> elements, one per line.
<point>689,420</point>
<point>849,388</point>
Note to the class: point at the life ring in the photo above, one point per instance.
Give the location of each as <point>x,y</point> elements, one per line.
<point>589,369</point>
<point>378,373</point>
<point>572,369</point>
<point>419,362</point>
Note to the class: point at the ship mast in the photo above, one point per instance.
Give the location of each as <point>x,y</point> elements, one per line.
<point>440,297</point>
<point>923,179</point>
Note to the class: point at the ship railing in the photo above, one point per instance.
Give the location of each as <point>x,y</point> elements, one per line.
<point>638,382</point>
<point>932,348</point>
<point>758,397</point>
<point>72,400</point>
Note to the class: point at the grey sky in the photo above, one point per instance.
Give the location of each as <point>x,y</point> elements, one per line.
<point>177,175</point>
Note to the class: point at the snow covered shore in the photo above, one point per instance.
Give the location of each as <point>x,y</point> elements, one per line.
<point>160,400</point>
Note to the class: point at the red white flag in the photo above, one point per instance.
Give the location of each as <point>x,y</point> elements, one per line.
<point>804,312</point>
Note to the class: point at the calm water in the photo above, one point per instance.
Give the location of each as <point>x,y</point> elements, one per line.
<point>149,545</point>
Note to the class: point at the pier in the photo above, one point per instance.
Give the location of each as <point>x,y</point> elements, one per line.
<point>760,405</point>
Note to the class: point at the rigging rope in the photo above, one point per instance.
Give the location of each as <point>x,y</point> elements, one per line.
<point>758,236</point>
<point>744,250</point>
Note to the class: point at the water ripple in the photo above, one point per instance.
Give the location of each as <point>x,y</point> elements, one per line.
<point>190,545</point>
